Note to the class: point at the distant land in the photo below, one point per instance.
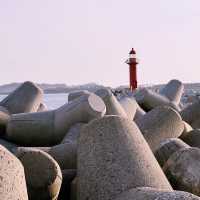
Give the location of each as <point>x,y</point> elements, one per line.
<point>187,87</point>
<point>52,88</point>
<point>63,88</point>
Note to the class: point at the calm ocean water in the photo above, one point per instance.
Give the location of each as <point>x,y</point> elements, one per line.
<point>51,100</point>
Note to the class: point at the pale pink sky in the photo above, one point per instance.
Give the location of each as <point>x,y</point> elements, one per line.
<point>76,42</point>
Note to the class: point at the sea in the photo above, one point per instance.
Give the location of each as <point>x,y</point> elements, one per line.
<point>52,101</point>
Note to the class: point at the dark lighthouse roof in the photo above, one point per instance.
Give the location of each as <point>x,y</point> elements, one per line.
<point>132,51</point>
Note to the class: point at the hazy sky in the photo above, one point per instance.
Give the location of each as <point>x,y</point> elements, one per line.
<point>81,41</point>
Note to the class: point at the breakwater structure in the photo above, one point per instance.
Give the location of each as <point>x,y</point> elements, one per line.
<point>100,147</point>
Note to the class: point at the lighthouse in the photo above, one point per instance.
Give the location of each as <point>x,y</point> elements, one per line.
<point>132,62</point>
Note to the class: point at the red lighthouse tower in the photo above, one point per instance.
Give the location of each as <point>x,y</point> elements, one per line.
<point>132,62</point>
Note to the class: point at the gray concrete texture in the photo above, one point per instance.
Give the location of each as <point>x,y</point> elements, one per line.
<point>145,193</point>
<point>186,130</point>
<point>76,94</point>
<point>148,100</point>
<point>73,189</point>
<point>183,170</point>
<point>49,128</point>
<point>4,118</point>
<point>4,110</point>
<point>113,106</point>
<point>42,107</point>
<point>25,99</point>
<point>129,105</point>
<point>196,124</point>
<point>8,145</point>
<point>167,148</point>
<point>12,177</point>
<point>43,174</point>
<point>173,90</point>
<point>159,124</point>
<point>68,176</point>
<point>192,138</point>
<point>191,113</point>
<point>73,133</point>
<point>139,113</point>
<point>65,154</point>
<point>113,156</point>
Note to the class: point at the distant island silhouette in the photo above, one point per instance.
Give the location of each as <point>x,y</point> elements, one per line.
<point>63,88</point>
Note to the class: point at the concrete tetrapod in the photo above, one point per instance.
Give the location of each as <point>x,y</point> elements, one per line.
<point>42,107</point>
<point>4,110</point>
<point>25,99</point>
<point>76,94</point>
<point>130,106</point>
<point>68,176</point>
<point>73,133</point>
<point>43,174</point>
<point>65,154</point>
<point>49,128</point>
<point>196,124</point>
<point>139,113</point>
<point>167,148</point>
<point>173,91</point>
<point>192,138</point>
<point>113,156</point>
<point>73,189</point>
<point>113,106</point>
<point>12,178</point>
<point>183,170</point>
<point>8,145</point>
<point>145,193</point>
<point>148,100</point>
<point>191,113</point>
<point>186,130</point>
<point>4,118</point>
<point>159,124</point>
